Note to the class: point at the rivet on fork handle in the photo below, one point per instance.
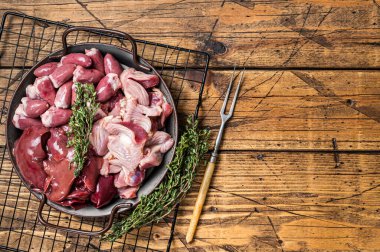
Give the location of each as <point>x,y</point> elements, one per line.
<point>211,164</point>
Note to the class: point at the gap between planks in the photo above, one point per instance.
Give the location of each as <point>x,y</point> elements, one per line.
<point>317,151</point>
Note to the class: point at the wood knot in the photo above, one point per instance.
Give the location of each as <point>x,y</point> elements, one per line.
<point>215,47</point>
<point>213,209</point>
<point>288,21</point>
<point>156,236</point>
<point>350,102</point>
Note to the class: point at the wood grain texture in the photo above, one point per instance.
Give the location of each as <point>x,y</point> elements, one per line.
<point>257,200</point>
<point>287,201</point>
<point>313,76</point>
<point>298,110</point>
<point>279,110</point>
<point>330,34</point>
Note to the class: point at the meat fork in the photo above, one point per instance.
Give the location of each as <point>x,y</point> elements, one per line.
<point>211,164</point>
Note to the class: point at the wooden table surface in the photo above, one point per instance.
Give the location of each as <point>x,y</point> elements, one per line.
<point>312,75</point>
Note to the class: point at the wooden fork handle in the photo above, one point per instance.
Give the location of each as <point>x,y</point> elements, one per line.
<point>200,200</point>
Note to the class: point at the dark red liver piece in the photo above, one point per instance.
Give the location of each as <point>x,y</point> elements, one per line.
<point>29,152</point>
<point>105,191</point>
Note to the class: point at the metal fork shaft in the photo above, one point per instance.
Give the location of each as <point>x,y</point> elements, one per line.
<point>225,117</point>
<point>217,143</point>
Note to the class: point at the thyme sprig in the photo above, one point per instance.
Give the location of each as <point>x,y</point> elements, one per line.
<point>181,172</point>
<point>81,121</point>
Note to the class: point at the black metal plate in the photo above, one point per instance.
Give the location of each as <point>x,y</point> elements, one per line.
<point>157,174</point>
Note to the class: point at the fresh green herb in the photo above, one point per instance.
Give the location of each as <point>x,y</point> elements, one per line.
<point>181,172</point>
<point>84,110</point>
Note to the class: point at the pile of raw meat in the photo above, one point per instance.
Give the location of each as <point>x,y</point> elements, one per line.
<point>127,137</point>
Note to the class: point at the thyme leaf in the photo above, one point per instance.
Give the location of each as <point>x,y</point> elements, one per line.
<point>81,121</point>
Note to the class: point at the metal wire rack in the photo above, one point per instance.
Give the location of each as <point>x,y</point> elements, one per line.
<point>24,40</point>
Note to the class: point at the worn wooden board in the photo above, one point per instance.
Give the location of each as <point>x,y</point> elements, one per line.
<point>320,81</point>
<point>287,201</point>
<point>299,110</point>
<point>282,34</point>
<point>258,200</point>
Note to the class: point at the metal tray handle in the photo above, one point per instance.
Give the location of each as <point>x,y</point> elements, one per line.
<point>43,200</point>
<point>122,35</point>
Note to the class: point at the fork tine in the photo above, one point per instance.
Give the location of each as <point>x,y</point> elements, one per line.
<point>223,109</point>
<point>236,94</point>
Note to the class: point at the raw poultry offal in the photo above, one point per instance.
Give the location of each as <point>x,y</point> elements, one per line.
<point>126,140</point>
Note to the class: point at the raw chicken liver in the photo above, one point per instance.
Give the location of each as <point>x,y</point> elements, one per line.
<point>57,144</point>
<point>59,180</point>
<point>105,191</point>
<point>29,152</point>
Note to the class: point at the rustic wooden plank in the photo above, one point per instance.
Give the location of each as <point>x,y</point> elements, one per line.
<point>296,107</point>
<point>289,201</point>
<point>298,110</point>
<point>259,200</point>
<point>281,34</point>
